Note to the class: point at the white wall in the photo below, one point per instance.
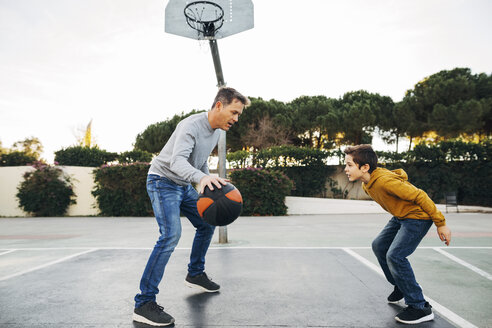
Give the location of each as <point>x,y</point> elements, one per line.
<point>82,179</point>
<point>83,182</point>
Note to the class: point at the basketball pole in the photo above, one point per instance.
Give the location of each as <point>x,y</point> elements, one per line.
<point>221,146</point>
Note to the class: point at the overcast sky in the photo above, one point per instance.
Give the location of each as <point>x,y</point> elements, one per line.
<point>65,62</point>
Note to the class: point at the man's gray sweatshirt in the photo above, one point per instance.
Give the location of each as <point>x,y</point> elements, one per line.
<point>184,157</point>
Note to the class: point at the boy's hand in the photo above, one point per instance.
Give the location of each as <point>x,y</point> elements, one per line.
<point>444,234</point>
<point>210,180</point>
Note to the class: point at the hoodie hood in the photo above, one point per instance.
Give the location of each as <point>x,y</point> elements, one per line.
<point>380,172</point>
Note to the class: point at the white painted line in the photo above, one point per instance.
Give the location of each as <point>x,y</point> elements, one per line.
<point>9,251</point>
<point>47,264</point>
<point>445,312</point>
<point>236,247</point>
<point>464,263</point>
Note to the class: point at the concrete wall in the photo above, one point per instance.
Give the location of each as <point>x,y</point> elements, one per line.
<point>353,189</point>
<point>82,179</point>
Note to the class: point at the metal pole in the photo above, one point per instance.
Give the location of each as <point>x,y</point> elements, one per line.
<point>222,139</point>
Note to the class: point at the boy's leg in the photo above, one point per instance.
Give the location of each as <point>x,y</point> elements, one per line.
<point>406,241</point>
<point>203,235</point>
<point>166,198</point>
<point>382,243</point>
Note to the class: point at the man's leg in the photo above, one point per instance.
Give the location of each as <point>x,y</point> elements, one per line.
<point>203,236</point>
<point>166,197</point>
<point>406,241</point>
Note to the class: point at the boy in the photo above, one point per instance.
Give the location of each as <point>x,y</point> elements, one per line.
<point>413,213</point>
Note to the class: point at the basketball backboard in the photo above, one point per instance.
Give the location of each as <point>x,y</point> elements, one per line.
<point>225,17</point>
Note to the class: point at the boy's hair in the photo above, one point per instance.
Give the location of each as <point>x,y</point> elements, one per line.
<point>362,155</point>
<point>227,96</point>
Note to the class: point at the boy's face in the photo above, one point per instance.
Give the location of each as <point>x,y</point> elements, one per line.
<point>352,170</point>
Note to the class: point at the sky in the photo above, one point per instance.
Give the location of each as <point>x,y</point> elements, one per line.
<point>64,63</point>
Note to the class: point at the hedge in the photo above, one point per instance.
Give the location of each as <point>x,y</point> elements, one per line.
<point>84,156</point>
<point>263,190</point>
<point>121,190</point>
<point>46,191</point>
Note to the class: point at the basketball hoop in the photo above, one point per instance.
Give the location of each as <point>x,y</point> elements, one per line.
<point>205,17</point>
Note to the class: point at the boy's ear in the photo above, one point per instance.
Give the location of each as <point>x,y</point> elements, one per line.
<point>365,168</point>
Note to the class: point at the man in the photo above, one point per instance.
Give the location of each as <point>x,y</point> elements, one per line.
<point>181,162</point>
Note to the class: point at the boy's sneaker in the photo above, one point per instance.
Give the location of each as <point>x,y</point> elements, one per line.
<point>202,282</point>
<point>152,314</point>
<point>396,296</point>
<point>411,315</point>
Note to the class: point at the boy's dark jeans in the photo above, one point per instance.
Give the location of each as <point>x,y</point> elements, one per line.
<point>392,246</point>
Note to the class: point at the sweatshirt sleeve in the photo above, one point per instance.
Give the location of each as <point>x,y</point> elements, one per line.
<point>185,142</point>
<point>406,191</point>
<point>204,168</point>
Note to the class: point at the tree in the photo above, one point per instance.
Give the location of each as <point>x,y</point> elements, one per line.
<point>316,122</point>
<point>359,112</point>
<point>450,102</point>
<point>30,146</point>
<point>266,134</point>
<point>278,113</point>
<point>156,135</point>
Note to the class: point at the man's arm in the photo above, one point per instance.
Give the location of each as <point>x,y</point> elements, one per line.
<point>184,145</point>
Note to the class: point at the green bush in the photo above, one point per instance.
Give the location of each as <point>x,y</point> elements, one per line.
<point>46,191</point>
<point>16,158</point>
<point>84,156</point>
<point>134,156</point>
<point>263,190</point>
<point>304,166</point>
<point>121,190</point>
<point>449,166</point>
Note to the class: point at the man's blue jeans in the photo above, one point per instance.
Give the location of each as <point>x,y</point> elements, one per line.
<point>398,240</point>
<point>168,201</point>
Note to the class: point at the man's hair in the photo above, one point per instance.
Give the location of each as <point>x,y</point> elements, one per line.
<point>227,96</point>
<point>362,155</point>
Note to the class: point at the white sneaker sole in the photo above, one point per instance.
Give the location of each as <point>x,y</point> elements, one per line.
<point>423,319</point>
<point>399,302</point>
<point>139,318</point>
<point>189,284</point>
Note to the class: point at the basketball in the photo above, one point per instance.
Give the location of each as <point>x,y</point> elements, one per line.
<point>220,207</point>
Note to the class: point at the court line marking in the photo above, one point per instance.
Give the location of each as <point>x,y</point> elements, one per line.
<point>444,311</point>
<point>9,251</point>
<point>464,263</point>
<point>42,266</point>
<point>235,247</point>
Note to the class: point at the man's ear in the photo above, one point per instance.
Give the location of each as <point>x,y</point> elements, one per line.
<point>219,105</point>
<point>365,168</point>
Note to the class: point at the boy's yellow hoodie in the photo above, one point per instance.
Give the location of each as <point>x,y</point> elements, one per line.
<point>395,194</point>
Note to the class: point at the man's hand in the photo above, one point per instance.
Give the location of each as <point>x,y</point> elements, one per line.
<point>444,234</point>
<point>210,181</point>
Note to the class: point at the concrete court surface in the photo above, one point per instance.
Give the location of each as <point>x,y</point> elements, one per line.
<point>292,271</point>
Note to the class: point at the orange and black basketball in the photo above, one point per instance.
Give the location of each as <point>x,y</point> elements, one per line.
<point>220,207</point>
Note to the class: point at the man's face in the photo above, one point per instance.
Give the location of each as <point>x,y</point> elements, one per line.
<point>229,115</point>
<point>352,169</point>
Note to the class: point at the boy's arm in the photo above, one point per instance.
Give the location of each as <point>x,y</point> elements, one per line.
<point>409,192</point>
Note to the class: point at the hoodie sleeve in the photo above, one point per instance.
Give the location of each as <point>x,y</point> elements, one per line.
<point>406,191</point>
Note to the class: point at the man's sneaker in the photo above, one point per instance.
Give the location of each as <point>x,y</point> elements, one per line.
<point>411,315</point>
<point>396,296</point>
<point>202,282</point>
<point>152,314</point>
